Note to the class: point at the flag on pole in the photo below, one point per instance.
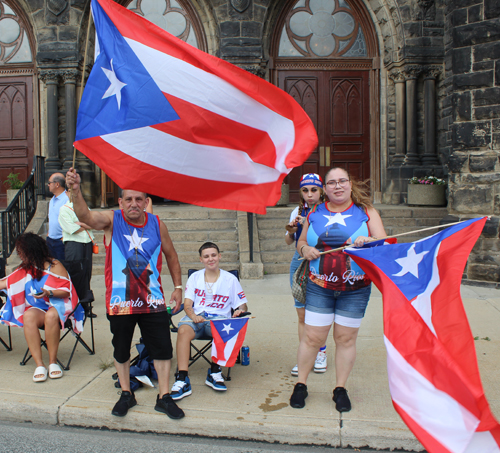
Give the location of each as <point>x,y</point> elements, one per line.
<point>160,116</point>
<point>432,366</point>
<point>228,337</point>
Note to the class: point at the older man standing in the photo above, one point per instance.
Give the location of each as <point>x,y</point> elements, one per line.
<point>134,241</point>
<point>57,187</point>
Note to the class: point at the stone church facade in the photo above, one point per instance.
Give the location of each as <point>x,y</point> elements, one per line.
<point>395,88</point>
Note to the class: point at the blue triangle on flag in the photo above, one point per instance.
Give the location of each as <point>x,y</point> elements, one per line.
<point>120,94</point>
<point>228,328</point>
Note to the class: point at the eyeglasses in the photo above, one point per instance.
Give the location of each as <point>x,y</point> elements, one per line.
<point>340,182</point>
<point>50,182</point>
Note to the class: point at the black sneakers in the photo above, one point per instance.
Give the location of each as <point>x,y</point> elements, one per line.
<point>126,401</point>
<point>167,405</point>
<point>299,395</point>
<point>342,402</point>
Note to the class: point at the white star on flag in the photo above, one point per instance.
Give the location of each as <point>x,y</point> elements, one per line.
<point>116,85</point>
<point>135,241</point>
<point>337,218</point>
<point>410,262</point>
<point>227,328</point>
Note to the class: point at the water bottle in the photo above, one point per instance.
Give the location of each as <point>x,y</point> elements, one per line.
<point>245,355</point>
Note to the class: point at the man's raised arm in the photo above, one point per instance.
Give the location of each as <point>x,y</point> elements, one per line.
<point>94,219</point>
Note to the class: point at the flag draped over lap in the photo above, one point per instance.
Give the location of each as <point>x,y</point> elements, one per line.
<point>228,337</point>
<point>160,116</point>
<point>431,360</point>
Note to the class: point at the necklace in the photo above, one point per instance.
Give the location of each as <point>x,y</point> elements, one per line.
<point>136,246</point>
<point>208,285</point>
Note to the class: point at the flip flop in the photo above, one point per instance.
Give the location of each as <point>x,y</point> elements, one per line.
<point>41,372</point>
<point>55,371</point>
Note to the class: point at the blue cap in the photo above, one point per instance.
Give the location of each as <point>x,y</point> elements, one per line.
<point>311,179</point>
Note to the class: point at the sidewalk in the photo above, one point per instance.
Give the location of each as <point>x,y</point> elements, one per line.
<point>256,403</point>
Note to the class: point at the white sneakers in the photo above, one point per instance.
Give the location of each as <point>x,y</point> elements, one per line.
<point>320,364</point>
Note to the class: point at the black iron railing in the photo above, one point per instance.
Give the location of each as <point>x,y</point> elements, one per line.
<point>18,215</point>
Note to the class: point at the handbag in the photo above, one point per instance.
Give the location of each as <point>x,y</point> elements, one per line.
<point>299,281</point>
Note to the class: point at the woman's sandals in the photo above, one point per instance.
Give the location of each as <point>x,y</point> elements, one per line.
<point>40,374</point>
<point>55,371</point>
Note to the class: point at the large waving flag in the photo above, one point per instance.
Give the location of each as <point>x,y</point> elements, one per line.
<point>432,366</point>
<point>161,116</point>
<point>228,337</point>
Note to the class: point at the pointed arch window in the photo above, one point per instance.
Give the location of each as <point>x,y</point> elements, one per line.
<point>14,43</point>
<point>181,21</point>
<point>322,29</point>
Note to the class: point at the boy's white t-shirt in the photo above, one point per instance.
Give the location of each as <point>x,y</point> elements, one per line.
<point>227,293</point>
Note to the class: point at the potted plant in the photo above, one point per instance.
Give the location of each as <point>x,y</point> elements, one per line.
<point>426,191</point>
<point>13,184</point>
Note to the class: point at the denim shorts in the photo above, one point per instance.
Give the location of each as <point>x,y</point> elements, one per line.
<point>293,267</point>
<point>201,329</point>
<point>345,305</point>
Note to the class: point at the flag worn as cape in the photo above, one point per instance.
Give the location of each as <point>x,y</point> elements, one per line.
<point>431,360</point>
<point>228,337</point>
<point>160,116</point>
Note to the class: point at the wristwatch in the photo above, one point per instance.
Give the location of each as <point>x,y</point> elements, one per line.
<point>51,293</point>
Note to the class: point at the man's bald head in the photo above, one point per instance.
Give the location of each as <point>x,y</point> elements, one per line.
<point>57,183</point>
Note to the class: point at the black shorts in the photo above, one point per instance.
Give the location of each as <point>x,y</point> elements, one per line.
<point>155,331</point>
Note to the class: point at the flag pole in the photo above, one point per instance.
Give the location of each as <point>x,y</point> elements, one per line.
<point>393,236</point>
<point>82,84</point>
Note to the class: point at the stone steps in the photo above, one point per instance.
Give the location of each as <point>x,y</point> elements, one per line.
<point>190,227</point>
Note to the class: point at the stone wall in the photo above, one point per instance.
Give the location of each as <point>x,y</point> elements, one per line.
<point>473,79</point>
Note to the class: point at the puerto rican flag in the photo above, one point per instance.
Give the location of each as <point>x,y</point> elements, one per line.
<point>228,337</point>
<point>20,289</point>
<point>160,116</point>
<point>432,366</point>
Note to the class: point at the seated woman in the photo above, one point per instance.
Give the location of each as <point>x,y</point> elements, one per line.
<point>40,295</point>
<point>211,293</point>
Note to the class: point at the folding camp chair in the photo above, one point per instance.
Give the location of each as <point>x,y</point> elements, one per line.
<point>7,346</point>
<point>76,271</point>
<point>196,353</point>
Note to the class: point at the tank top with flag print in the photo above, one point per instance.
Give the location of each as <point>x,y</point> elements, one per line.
<point>133,267</point>
<point>329,230</point>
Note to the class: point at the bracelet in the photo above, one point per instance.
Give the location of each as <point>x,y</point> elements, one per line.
<point>178,287</point>
<point>300,253</point>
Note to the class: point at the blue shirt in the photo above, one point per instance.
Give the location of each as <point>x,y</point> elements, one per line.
<point>55,204</point>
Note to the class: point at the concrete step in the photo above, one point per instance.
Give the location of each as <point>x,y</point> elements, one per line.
<point>272,234</point>
<point>193,214</point>
<point>275,244</point>
<point>273,223</point>
<point>276,268</point>
<point>201,225</point>
<point>277,256</point>
<point>405,211</point>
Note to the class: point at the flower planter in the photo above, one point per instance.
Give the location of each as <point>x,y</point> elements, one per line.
<point>426,195</point>
<point>11,194</point>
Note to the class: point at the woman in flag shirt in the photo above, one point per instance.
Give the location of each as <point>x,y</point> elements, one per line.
<point>40,295</point>
<point>337,290</point>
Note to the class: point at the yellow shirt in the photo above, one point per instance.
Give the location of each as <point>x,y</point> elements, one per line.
<point>67,220</point>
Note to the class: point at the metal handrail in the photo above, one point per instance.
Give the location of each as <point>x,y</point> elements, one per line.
<point>18,215</point>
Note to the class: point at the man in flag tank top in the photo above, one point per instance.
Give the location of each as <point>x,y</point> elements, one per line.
<point>337,291</point>
<point>134,241</point>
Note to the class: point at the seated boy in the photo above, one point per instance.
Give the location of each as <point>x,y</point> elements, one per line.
<point>211,293</point>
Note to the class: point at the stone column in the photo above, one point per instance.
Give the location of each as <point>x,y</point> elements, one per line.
<point>398,78</point>
<point>411,73</point>
<point>430,157</point>
<point>69,78</point>
<point>52,162</point>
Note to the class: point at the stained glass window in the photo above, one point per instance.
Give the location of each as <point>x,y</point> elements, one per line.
<point>14,42</point>
<point>320,29</point>
<point>169,15</point>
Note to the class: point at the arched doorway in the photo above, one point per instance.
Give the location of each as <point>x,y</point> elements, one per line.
<point>16,95</point>
<point>325,56</point>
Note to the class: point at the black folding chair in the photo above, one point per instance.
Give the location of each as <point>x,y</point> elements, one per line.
<point>196,353</point>
<point>7,346</point>
<point>76,271</point>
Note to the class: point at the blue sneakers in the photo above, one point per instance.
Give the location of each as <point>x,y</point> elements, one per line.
<point>216,381</point>
<point>180,389</point>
